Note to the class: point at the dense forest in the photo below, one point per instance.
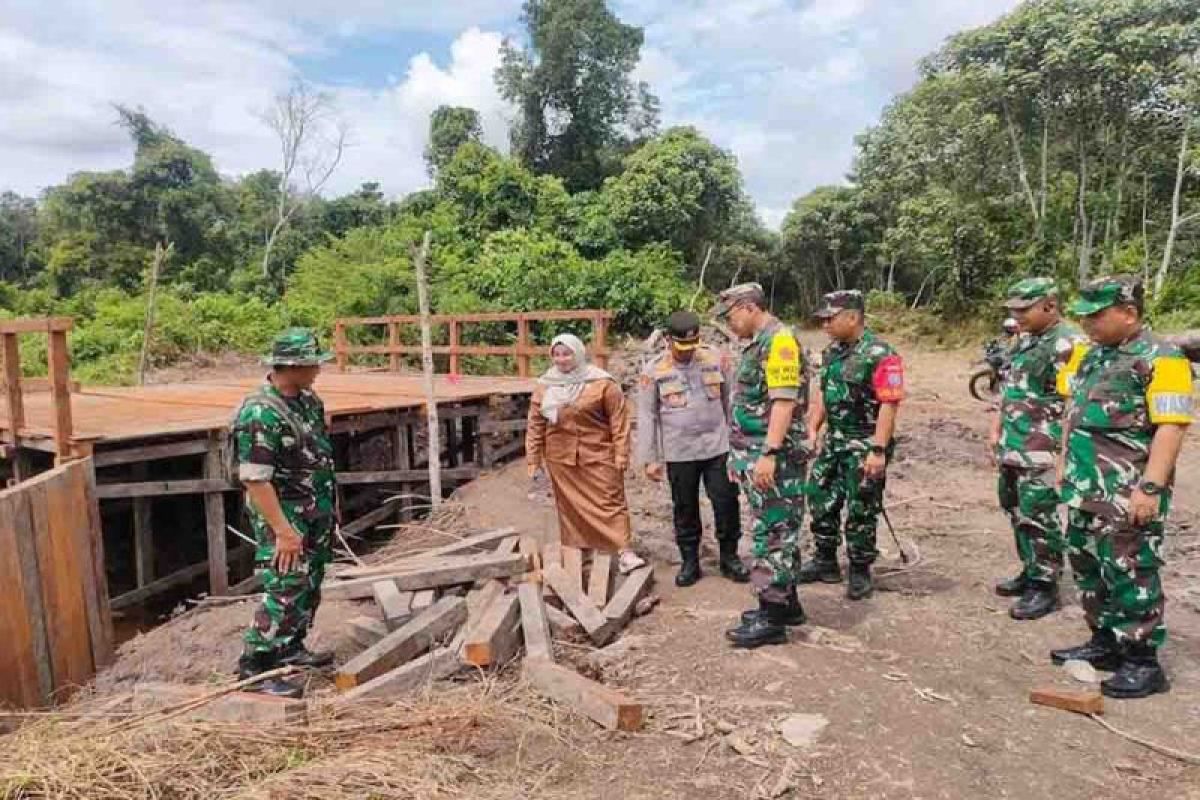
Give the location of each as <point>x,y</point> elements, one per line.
<point>1063,138</point>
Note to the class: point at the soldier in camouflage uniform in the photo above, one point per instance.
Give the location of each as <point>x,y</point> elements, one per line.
<point>285,461</point>
<point>1026,438</point>
<point>768,458</point>
<point>862,384</point>
<point>1129,408</point>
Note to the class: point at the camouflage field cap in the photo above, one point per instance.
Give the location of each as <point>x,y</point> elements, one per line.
<point>296,347</point>
<point>835,303</point>
<point>1115,290</point>
<point>683,327</point>
<point>1028,292</point>
<point>736,295</point>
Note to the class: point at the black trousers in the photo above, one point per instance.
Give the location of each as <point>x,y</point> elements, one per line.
<point>685,478</point>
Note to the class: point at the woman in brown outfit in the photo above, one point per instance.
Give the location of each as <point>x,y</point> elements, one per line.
<point>579,431</point>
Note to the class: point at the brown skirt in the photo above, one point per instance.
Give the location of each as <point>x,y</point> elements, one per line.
<point>592,511</point>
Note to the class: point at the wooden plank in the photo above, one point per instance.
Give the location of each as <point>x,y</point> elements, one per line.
<point>396,606</point>
<point>103,644</point>
<point>508,545</point>
<point>59,359</point>
<point>492,641</point>
<point>404,476</point>
<point>438,664</point>
<point>528,547</point>
<point>423,599</point>
<point>401,646</point>
<point>1081,701</point>
<point>14,403</point>
<point>607,707</point>
<point>185,575</point>
<point>134,455</point>
<point>370,519</point>
<point>26,679</point>
<point>454,548</point>
<point>37,325</point>
<point>366,631</point>
<point>143,532</point>
<point>563,625</point>
<point>572,561</point>
<point>235,707</point>
<point>600,579</point>
<point>534,624</point>
<point>112,491</point>
<point>416,577</point>
<point>478,600</point>
<point>75,535</point>
<point>50,503</point>
<point>635,586</point>
<point>600,629</point>
<point>485,316</point>
<point>214,521</point>
<point>504,426</point>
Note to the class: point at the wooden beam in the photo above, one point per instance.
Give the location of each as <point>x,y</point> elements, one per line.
<point>133,455</point>
<point>14,403</point>
<point>608,707</point>
<point>243,707</point>
<point>37,325</point>
<point>214,521</point>
<point>635,586</point>
<point>449,571</point>
<point>600,579</point>
<point>143,532</point>
<point>504,426</point>
<point>114,491</point>
<point>403,645</point>
<point>366,631</point>
<point>423,600</point>
<point>453,548</point>
<point>92,543</point>
<point>600,628</point>
<point>572,561</point>
<point>394,605</point>
<point>563,625</point>
<point>438,664</point>
<point>370,519</point>
<point>1081,701</point>
<point>59,359</point>
<point>185,575</point>
<point>495,639</point>
<point>485,316</point>
<point>404,476</point>
<point>534,623</point>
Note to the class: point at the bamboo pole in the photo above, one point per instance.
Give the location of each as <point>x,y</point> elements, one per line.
<point>420,257</point>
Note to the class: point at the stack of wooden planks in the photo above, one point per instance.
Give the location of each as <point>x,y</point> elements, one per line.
<point>481,602</point>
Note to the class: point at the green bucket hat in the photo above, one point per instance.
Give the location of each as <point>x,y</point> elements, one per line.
<point>1027,292</point>
<point>296,347</point>
<point>735,295</point>
<point>1115,290</point>
<point>835,303</point>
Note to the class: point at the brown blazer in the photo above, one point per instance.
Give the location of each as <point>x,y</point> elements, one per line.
<point>595,428</point>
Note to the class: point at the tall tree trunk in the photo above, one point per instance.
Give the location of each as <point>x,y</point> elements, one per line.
<point>1022,172</point>
<point>1176,220</point>
<point>1145,228</point>
<point>1081,219</point>
<point>1044,176</point>
<point>891,276</point>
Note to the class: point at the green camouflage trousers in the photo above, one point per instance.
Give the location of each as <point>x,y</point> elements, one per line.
<point>778,514</point>
<point>836,483</point>
<point>1116,569</point>
<point>290,600</point>
<point>1029,498</point>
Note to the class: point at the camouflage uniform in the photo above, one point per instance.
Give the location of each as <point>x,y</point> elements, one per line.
<point>301,471</point>
<point>772,367</point>
<point>1118,399</point>
<point>1031,410</point>
<point>856,379</point>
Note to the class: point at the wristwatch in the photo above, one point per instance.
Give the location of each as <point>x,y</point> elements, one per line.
<point>772,451</point>
<point>878,450</point>
<point>1151,488</point>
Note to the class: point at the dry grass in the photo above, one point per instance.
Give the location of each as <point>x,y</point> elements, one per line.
<point>451,741</point>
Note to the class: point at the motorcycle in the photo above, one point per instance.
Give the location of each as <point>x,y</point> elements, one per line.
<point>984,383</point>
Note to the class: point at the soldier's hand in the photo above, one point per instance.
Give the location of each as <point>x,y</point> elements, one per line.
<point>764,473</point>
<point>654,472</point>
<point>289,551</point>
<point>1143,508</point>
<point>875,466</point>
<point>994,448</point>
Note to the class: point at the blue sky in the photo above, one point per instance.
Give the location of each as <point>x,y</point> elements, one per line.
<point>784,84</point>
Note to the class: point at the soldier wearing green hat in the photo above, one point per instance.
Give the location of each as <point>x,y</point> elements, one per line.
<point>1026,438</point>
<point>285,461</point>
<point>1129,408</point>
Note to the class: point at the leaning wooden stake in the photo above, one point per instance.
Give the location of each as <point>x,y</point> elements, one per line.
<point>160,257</point>
<point>420,257</point>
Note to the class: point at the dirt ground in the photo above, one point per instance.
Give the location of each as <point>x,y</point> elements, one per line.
<point>924,686</point>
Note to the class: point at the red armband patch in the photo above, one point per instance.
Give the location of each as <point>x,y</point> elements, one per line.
<point>888,380</point>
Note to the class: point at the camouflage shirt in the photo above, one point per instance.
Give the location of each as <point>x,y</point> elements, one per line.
<point>267,449</point>
<point>1119,397</point>
<point>856,379</point>
<point>772,367</point>
<point>1032,397</point>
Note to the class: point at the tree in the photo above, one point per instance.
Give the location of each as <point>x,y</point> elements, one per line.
<point>312,140</point>
<point>450,127</point>
<point>18,236</point>
<point>576,102</point>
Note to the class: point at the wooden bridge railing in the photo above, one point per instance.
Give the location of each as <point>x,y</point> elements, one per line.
<point>59,382</point>
<point>523,350</point>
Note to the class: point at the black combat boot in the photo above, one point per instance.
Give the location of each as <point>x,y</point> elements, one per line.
<point>823,568</point>
<point>861,586</point>
<point>793,613</point>
<point>1140,675</point>
<point>300,656</point>
<point>732,566</point>
<point>766,627</point>
<point>689,567</point>
<point>1013,587</point>
<point>1040,598</point>
<point>1101,651</point>
<point>257,664</point>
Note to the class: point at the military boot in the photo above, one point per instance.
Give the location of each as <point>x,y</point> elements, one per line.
<point>1140,675</point>
<point>861,585</point>
<point>793,614</point>
<point>732,566</point>
<point>300,656</point>
<point>1013,587</point>
<point>689,565</point>
<point>1101,651</point>
<point>766,627</point>
<point>257,664</point>
<point>1040,598</point>
<point>823,568</point>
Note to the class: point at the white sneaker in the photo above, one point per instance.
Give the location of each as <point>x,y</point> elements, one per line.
<point>629,561</point>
